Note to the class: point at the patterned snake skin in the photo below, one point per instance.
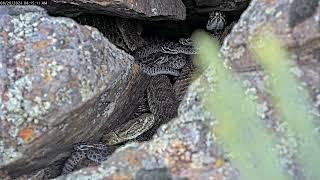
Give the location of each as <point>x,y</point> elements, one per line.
<point>95,152</point>
<point>216,22</point>
<point>130,130</point>
<point>157,59</point>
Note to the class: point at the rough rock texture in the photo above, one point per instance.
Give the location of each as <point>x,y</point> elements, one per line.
<point>184,147</point>
<point>139,9</point>
<point>303,39</point>
<point>60,83</point>
<point>297,24</point>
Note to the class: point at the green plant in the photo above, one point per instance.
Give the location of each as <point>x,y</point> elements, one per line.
<point>239,128</point>
<point>291,100</point>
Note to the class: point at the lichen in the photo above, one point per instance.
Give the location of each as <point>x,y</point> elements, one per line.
<point>52,70</point>
<point>8,155</point>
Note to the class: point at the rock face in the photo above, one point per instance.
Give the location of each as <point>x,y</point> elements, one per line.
<point>184,148</point>
<point>303,39</point>
<point>60,83</point>
<point>138,9</point>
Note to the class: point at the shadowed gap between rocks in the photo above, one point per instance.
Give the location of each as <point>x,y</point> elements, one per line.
<point>123,103</point>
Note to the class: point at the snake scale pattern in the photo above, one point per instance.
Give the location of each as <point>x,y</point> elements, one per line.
<point>156,58</point>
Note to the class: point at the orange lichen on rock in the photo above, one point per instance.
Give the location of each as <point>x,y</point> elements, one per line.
<point>219,163</point>
<point>179,156</point>
<point>121,177</point>
<point>26,134</point>
<point>41,44</point>
<point>133,159</point>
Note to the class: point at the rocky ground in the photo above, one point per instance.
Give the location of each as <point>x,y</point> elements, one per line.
<point>62,83</point>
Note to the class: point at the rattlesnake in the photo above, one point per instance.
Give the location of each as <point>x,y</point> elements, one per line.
<point>163,106</point>
<point>125,34</point>
<point>161,103</point>
<point>216,22</point>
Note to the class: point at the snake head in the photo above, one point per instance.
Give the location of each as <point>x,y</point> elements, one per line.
<point>185,41</point>
<point>162,59</point>
<point>216,21</point>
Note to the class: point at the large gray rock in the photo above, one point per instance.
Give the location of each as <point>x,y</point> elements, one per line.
<point>139,9</point>
<point>297,25</point>
<point>60,83</point>
<point>185,147</point>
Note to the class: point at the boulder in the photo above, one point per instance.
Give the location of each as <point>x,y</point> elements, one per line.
<point>185,148</point>
<point>138,9</point>
<point>60,83</point>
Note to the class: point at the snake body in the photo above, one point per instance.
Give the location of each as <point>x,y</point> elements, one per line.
<point>160,104</point>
